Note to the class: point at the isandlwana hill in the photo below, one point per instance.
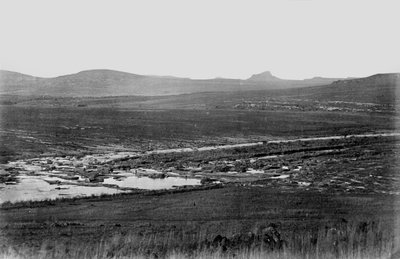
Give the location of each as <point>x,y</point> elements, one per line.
<point>115,83</point>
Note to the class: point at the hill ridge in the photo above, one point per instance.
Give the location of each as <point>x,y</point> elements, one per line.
<point>106,82</point>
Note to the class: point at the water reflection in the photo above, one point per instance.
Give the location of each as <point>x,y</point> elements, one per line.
<point>35,188</point>
<point>151,184</point>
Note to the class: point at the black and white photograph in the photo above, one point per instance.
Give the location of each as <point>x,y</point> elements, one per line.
<point>199,129</point>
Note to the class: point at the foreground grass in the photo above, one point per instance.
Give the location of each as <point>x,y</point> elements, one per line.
<point>357,239</point>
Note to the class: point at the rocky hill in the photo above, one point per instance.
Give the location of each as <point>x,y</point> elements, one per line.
<point>116,83</point>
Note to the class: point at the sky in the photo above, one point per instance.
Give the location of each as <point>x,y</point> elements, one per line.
<point>293,39</point>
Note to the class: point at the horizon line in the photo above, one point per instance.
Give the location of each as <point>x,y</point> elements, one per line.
<point>191,78</point>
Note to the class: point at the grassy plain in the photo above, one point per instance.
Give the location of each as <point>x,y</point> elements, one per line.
<point>29,131</point>
<point>315,222</point>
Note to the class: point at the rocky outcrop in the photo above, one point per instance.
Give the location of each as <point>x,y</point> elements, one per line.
<point>266,238</point>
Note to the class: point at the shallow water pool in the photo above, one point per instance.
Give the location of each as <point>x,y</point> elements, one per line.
<point>152,184</point>
<point>35,188</point>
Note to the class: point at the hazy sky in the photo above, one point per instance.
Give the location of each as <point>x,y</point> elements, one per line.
<point>201,39</point>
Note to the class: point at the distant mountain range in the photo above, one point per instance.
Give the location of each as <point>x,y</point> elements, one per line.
<point>115,83</point>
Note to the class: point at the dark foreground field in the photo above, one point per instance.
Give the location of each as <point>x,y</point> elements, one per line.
<point>311,224</point>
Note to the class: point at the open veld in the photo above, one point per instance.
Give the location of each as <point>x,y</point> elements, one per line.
<point>309,172</point>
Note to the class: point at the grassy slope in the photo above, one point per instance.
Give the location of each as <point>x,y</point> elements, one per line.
<point>196,215</point>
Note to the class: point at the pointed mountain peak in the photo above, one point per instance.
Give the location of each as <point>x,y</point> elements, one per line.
<point>264,76</point>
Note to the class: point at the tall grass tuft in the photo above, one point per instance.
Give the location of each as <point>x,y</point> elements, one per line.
<point>350,240</point>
